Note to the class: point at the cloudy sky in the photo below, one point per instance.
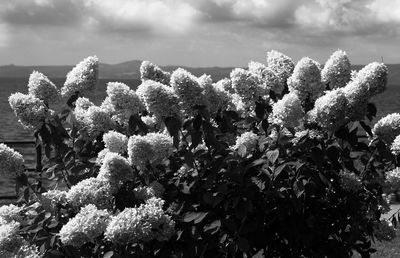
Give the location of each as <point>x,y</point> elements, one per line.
<point>196,32</point>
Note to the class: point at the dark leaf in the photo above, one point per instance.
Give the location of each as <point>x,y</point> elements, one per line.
<point>197,122</point>
<point>173,125</point>
<point>371,111</point>
<point>196,217</point>
<point>213,227</point>
<point>243,245</point>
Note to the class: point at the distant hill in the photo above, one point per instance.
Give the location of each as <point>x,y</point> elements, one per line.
<point>130,70</point>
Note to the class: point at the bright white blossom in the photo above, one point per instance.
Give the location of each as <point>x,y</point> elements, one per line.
<point>30,111</point>
<point>248,86</point>
<point>369,81</point>
<point>155,189</point>
<point>85,227</point>
<point>123,98</point>
<point>153,148</point>
<point>116,170</point>
<point>153,123</point>
<point>187,88</point>
<point>287,111</point>
<point>42,88</point>
<point>306,81</point>
<point>101,155</point>
<point>11,161</point>
<point>268,77</point>
<point>225,85</point>
<point>159,99</point>
<point>387,128</point>
<point>330,110</point>
<point>142,224</point>
<point>149,71</point>
<point>96,121</point>
<point>395,146</point>
<point>52,198</point>
<point>281,65</point>
<point>247,141</point>
<point>217,97</point>
<point>83,103</point>
<point>10,213</point>
<point>337,70</point>
<point>115,141</point>
<point>82,78</point>
<point>27,251</point>
<point>10,240</point>
<point>393,178</point>
<point>93,190</point>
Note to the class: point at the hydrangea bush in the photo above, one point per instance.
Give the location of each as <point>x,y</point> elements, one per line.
<point>276,161</point>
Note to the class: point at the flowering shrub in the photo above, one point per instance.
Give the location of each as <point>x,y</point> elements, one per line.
<point>276,160</point>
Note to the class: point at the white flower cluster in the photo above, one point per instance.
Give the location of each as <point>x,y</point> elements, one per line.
<point>152,147</point>
<point>395,146</point>
<point>116,170</point>
<point>97,120</point>
<point>217,97</point>
<point>9,213</point>
<point>149,71</point>
<point>159,99</point>
<point>30,111</point>
<point>153,123</point>
<point>11,161</point>
<point>93,190</point>
<point>309,133</point>
<point>287,111</point>
<point>142,224</point>
<point>225,85</point>
<point>82,78</point>
<point>387,128</point>
<point>115,141</point>
<point>337,70</point>
<point>10,240</point>
<point>247,141</point>
<point>27,251</point>
<point>305,81</point>
<point>281,65</point>
<point>188,90</point>
<point>350,182</point>
<point>393,178</point>
<point>52,198</point>
<point>249,87</point>
<point>369,81</point>
<point>42,88</point>
<point>268,77</point>
<point>330,110</point>
<point>85,227</point>
<point>123,99</point>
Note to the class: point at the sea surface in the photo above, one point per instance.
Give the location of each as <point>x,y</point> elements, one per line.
<point>11,130</point>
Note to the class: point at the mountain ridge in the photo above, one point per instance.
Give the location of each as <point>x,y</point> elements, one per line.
<point>131,70</point>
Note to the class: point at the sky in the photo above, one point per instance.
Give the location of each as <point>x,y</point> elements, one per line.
<point>196,32</point>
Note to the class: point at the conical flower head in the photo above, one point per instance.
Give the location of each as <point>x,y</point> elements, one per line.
<point>305,81</point>
<point>159,99</point>
<point>337,70</point>
<point>330,110</point>
<point>281,65</point>
<point>387,128</point>
<point>268,77</point>
<point>116,170</point>
<point>11,161</point>
<point>287,111</point>
<point>30,111</point>
<point>217,97</point>
<point>82,78</point>
<point>187,88</point>
<point>149,71</point>
<point>42,88</point>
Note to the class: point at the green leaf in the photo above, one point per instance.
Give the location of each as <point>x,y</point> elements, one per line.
<point>196,217</point>
<point>243,245</point>
<point>212,227</point>
<point>272,155</point>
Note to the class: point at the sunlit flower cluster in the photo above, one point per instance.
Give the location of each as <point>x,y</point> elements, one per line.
<point>149,71</point>
<point>153,148</point>
<point>142,224</point>
<point>281,65</point>
<point>116,170</point>
<point>268,77</point>
<point>217,97</point>
<point>153,123</point>
<point>247,141</point>
<point>188,90</point>
<point>337,70</point>
<point>96,121</point>
<point>11,161</point>
<point>42,88</point>
<point>155,189</point>
<point>27,251</point>
<point>393,178</point>
<point>52,198</point>
<point>10,240</point>
<point>115,141</point>
<point>305,81</point>
<point>387,128</point>
<point>93,190</point>
<point>225,85</point>
<point>10,213</point>
<point>30,111</point>
<point>124,98</point>
<point>330,110</point>
<point>287,111</point>
<point>159,99</point>
<point>82,78</point>
<point>85,227</point>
